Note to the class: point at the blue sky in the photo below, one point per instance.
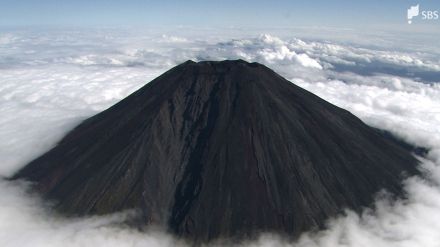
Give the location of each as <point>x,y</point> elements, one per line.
<point>257,13</point>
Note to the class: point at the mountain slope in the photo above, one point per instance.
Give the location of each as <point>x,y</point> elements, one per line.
<point>221,149</point>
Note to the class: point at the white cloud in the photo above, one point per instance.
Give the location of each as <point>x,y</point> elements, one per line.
<point>25,222</point>
<point>49,81</point>
<point>6,39</point>
<point>173,39</point>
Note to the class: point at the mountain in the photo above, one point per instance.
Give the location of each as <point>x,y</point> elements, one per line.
<point>221,149</point>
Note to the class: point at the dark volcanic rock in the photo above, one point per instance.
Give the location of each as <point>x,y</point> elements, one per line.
<point>221,149</point>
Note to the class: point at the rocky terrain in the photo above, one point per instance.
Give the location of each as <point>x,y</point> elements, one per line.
<point>221,149</point>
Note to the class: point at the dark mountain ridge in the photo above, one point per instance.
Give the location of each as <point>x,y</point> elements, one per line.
<point>221,149</point>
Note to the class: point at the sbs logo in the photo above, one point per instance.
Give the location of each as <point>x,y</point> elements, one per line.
<point>414,11</point>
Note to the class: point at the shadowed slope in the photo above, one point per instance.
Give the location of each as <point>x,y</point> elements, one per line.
<point>221,149</point>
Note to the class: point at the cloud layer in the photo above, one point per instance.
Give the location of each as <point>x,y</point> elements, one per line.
<point>52,79</point>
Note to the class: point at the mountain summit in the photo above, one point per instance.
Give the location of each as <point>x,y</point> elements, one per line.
<point>221,149</point>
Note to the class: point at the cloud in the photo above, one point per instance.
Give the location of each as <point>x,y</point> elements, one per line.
<point>265,49</point>
<point>51,80</point>
<point>368,61</point>
<point>173,39</point>
<point>7,39</point>
<point>26,222</point>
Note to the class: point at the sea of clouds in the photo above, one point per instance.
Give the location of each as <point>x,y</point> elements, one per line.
<point>51,79</point>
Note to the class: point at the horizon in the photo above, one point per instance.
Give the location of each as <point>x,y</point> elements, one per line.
<point>386,15</point>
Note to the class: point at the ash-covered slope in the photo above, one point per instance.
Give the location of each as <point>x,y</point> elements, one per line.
<point>221,149</point>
